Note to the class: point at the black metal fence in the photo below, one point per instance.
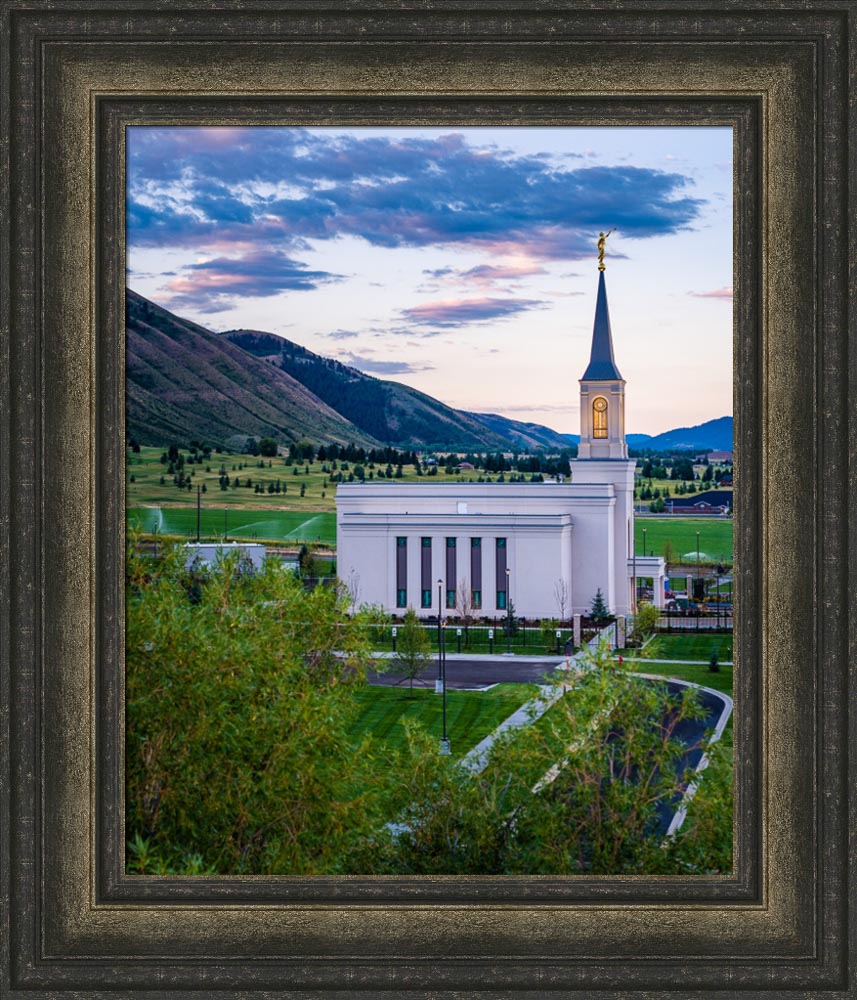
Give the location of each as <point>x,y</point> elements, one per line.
<point>531,639</point>
<point>695,621</point>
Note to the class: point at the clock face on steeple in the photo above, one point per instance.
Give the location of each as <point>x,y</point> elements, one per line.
<point>599,417</point>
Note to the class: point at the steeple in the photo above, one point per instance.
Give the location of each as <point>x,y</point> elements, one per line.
<point>602,388</point>
<point>602,364</point>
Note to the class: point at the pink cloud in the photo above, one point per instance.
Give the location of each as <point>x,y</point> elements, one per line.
<point>717,293</point>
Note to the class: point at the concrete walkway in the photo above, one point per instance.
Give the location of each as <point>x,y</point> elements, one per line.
<point>691,663</point>
<point>527,714</point>
<point>484,657</point>
<point>477,758</point>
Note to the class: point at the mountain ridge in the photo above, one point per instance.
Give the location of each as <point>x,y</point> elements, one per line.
<point>185,382</point>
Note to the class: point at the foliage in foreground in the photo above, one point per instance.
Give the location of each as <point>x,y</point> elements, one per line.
<point>238,701</point>
<point>577,793</point>
<point>241,759</point>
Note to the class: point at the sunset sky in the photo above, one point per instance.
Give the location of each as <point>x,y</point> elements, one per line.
<point>461,261</point>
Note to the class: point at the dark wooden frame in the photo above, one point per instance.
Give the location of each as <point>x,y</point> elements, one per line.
<point>74,74</point>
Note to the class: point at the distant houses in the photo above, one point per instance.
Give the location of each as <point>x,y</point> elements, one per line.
<point>711,502</point>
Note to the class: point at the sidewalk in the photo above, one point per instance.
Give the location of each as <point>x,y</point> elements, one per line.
<point>485,657</point>
<point>691,663</point>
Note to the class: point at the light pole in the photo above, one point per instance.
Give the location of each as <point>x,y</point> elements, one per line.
<point>645,552</point>
<point>439,687</point>
<point>444,740</point>
<point>697,558</point>
<point>697,579</point>
<point>198,510</point>
<point>508,614</point>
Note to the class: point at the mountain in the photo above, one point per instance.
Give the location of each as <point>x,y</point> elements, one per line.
<point>527,436</point>
<point>714,434</point>
<point>387,411</point>
<point>185,382</point>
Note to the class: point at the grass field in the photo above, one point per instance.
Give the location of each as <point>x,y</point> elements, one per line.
<point>470,715</point>
<point>715,536</point>
<point>274,525</point>
<point>690,647</point>
<point>147,490</point>
<point>288,516</point>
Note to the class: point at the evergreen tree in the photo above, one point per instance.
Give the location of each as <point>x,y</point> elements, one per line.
<point>599,611</point>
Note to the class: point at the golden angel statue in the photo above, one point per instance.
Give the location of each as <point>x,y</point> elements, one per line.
<point>602,240</point>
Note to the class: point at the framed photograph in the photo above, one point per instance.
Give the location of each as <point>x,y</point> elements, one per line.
<point>442,560</point>
<point>85,87</point>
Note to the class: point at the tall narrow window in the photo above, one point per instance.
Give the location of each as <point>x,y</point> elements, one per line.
<point>599,417</point>
<point>401,572</point>
<point>425,573</point>
<point>500,575</point>
<point>451,571</point>
<point>476,571</point>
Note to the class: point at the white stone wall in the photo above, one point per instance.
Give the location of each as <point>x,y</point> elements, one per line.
<point>618,474</point>
<point>554,531</point>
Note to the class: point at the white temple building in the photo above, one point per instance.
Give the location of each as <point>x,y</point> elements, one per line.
<point>549,547</point>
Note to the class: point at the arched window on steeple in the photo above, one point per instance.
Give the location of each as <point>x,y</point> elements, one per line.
<point>599,417</point>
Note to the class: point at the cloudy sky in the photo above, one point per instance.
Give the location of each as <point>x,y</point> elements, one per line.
<point>461,261</point>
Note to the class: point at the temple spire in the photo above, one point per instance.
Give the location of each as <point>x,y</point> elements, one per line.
<point>602,365</point>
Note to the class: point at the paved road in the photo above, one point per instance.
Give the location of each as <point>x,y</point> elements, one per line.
<point>465,672</point>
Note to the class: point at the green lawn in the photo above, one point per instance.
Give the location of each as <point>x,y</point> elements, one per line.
<point>470,715</point>
<point>276,525</point>
<point>288,516</point>
<point>690,647</point>
<point>715,536</point>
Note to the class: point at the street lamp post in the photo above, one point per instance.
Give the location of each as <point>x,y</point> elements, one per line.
<point>508,615</point>
<point>697,580</point>
<point>438,687</point>
<point>444,740</point>
<point>645,552</point>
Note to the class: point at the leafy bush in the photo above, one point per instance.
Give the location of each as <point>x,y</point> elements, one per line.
<point>239,754</point>
<point>238,709</point>
<point>578,792</point>
<point>643,623</point>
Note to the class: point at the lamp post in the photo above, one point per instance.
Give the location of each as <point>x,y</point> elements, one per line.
<point>438,687</point>
<point>697,578</point>
<point>645,552</point>
<point>444,740</point>
<point>697,556</point>
<point>508,614</point>
<point>198,510</point>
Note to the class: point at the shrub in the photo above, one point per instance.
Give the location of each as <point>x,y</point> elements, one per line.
<point>238,709</point>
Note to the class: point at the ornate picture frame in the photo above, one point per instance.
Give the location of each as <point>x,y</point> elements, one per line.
<point>74,76</point>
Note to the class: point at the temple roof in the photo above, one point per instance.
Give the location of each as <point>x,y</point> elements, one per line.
<point>602,365</point>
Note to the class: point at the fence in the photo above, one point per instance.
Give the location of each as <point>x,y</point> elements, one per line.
<point>535,640</point>
<point>695,621</point>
